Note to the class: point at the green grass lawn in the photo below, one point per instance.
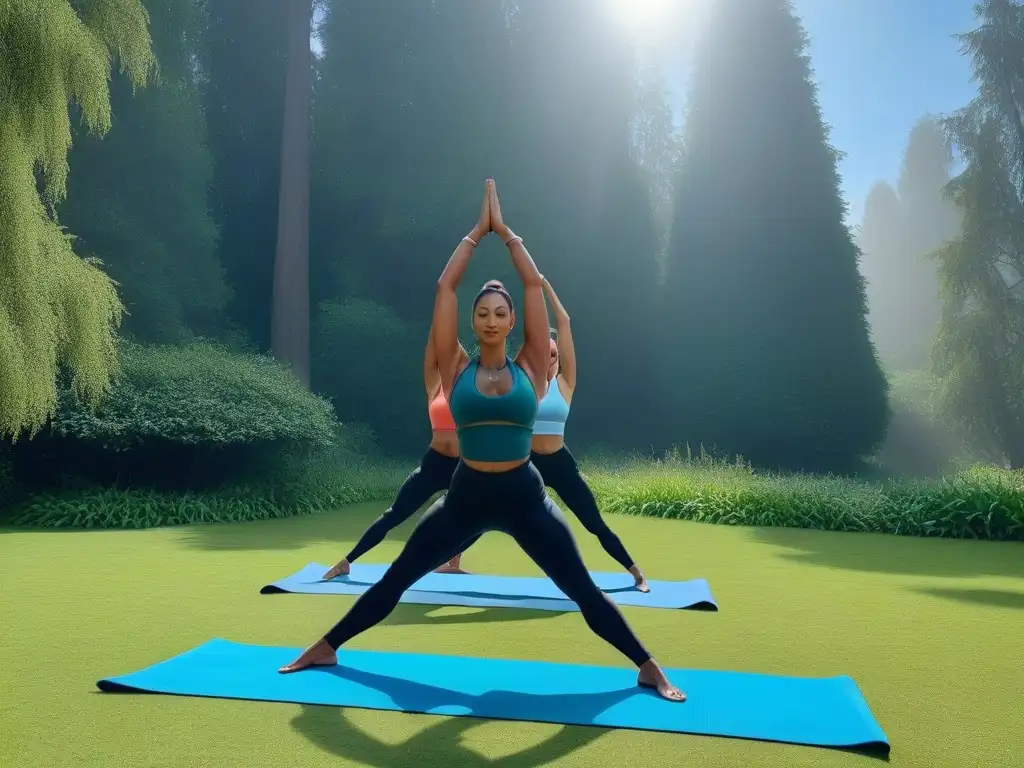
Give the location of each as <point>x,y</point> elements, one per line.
<point>931,630</point>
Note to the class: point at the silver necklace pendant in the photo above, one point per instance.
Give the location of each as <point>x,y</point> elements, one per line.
<point>493,374</point>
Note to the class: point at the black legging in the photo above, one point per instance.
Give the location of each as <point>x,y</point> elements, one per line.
<point>515,503</point>
<point>561,473</point>
<point>433,475</point>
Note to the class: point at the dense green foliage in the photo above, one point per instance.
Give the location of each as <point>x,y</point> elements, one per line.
<point>182,417</point>
<point>979,350</point>
<point>137,196</point>
<point>199,393</point>
<point>335,479</point>
<point>359,343</point>
<point>773,359</point>
<point>917,443</point>
<point>983,502</point>
<point>55,308</point>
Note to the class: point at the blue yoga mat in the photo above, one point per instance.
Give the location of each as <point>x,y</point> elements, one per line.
<point>826,712</point>
<point>479,590</point>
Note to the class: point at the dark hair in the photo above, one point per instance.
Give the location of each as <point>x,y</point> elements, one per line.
<point>494,286</point>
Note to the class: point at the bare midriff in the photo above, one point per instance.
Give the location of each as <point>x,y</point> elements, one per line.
<point>546,444</point>
<point>446,443</point>
<point>495,467</point>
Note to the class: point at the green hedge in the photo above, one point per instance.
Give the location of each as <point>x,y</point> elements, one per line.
<point>331,480</point>
<point>980,502</point>
<point>198,394</point>
<point>195,417</point>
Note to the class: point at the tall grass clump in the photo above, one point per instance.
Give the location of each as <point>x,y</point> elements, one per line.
<point>978,502</point>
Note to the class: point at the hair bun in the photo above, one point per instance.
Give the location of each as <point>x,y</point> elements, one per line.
<point>494,284</point>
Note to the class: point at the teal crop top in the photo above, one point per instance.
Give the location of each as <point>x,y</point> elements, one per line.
<point>553,412</point>
<point>474,413</point>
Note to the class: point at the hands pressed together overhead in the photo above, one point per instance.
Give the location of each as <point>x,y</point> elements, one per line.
<point>490,216</point>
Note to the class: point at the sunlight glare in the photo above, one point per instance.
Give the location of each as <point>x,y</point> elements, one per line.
<point>645,18</point>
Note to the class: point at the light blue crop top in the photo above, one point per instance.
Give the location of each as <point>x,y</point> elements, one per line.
<point>552,413</point>
<point>480,439</point>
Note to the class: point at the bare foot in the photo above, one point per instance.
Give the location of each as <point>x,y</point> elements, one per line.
<point>638,577</point>
<point>319,654</point>
<point>342,568</point>
<point>452,566</point>
<point>652,676</point>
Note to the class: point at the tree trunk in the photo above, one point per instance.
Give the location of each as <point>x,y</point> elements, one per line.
<point>289,332</point>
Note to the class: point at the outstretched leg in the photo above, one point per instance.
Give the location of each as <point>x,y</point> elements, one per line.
<point>455,564</point>
<point>544,535</point>
<point>433,475</point>
<point>441,533</point>
<point>562,475</point>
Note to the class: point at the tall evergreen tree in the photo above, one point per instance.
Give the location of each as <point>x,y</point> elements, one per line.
<point>765,306</point>
<point>55,308</point>
<point>406,126</point>
<point>243,70</point>
<point>410,116</point>
<point>979,350</point>
<point>899,231</point>
<point>138,196</point>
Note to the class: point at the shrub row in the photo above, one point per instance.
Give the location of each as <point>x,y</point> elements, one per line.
<point>980,502</point>
<point>194,417</point>
<point>330,482</point>
<point>199,393</point>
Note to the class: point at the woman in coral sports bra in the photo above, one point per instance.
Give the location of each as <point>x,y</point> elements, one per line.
<point>433,475</point>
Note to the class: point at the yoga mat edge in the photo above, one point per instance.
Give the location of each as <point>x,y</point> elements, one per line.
<point>823,712</point>
<point>486,590</point>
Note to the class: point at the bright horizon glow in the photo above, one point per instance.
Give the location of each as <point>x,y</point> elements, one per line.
<point>645,19</point>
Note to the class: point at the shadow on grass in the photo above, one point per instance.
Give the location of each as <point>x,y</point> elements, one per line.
<point>996,598</point>
<point>439,744</point>
<point>902,555</point>
<point>413,615</point>
<point>344,526</point>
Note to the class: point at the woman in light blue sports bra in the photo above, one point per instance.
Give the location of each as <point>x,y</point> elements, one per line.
<point>495,487</point>
<point>553,459</point>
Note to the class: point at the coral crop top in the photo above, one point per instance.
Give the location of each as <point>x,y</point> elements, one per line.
<point>440,414</point>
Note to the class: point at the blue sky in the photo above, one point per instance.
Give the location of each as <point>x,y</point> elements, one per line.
<point>880,66</point>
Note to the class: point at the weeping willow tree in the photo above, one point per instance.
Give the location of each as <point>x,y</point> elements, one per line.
<point>57,311</point>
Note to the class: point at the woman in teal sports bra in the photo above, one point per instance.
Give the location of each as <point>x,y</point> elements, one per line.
<point>549,453</point>
<point>493,400</point>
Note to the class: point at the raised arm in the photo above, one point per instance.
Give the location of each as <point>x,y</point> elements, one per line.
<point>445,328</point>
<point>566,349</point>
<point>431,377</point>
<point>431,373</point>
<point>536,341</point>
